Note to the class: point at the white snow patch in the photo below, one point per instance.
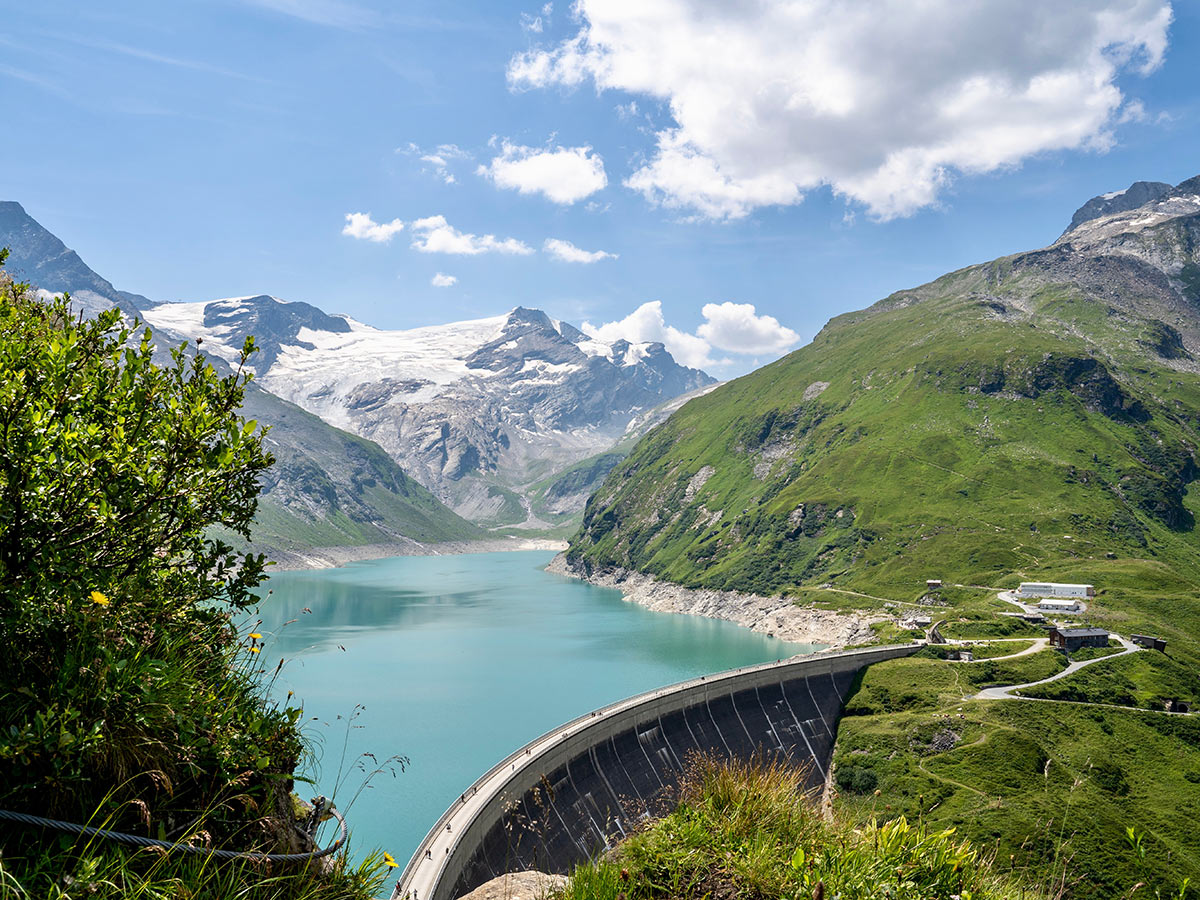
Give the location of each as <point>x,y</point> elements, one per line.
<point>1112,194</point>
<point>635,354</point>
<point>594,347</point>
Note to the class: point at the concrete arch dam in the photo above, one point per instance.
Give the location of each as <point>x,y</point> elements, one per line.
<point>575,791</point>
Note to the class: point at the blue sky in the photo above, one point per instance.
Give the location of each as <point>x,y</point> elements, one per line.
<point>753,172</point>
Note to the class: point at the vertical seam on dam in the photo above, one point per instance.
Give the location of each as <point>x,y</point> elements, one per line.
<point>491,828</point>
<point>800,730</point>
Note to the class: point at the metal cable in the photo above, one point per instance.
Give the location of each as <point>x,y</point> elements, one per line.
<point>138,841</point>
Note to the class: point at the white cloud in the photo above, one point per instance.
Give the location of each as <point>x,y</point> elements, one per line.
<point>438,159</point>
<point>440,280</point>
<point>885,102</point>
<point>646,323</point>
<point>363,228</point>
<point>564,174</point>
<point>568,252</point>
<point>531,23</point>
<point>435,235</point>
<point>737,328</point>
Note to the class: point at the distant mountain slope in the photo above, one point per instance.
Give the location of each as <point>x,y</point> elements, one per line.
<point>1027,413</point>
<point>477,411</point>
<point>327,488</point>
<point>43,260</point>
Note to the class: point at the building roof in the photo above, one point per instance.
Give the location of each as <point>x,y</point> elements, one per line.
<point>1082,632</point>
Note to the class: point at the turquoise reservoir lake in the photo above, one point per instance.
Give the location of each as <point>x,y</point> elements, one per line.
<point>459,660</point>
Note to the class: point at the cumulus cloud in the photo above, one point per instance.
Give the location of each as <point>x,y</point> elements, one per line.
<point>362,227</point>
<point>646,323</point>
<point>564,174</point>
<point>737,328</point>
<point>734,327</point>
<point>435,235</point>
<point>568,252</point>
<point>885,102</point>
<point>440,280</point>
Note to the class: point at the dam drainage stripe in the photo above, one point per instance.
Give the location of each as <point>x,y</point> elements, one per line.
<point>717,728</point>
<point>552,799</point>
<point>612,795</point>
<point>688,726</point>
<point>538,835</point>
<point>800,728</point>
<point>770,724</point>
<point>617,756</point>
<point>638,739</point>
<point>666,736</point>
<point>749,737</point>
<point>817,706</point>
<point>587,802</point>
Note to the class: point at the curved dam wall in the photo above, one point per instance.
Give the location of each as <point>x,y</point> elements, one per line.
<point>575,791</point>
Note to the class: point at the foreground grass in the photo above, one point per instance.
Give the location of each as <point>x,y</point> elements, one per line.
<point>745,830</point>
<point>106,872</point>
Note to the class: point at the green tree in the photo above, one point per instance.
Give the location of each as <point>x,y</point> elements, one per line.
<point>122,677</point>
<point>112,467</point>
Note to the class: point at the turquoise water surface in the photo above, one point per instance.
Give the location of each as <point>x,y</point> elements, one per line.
<point>458,661</point>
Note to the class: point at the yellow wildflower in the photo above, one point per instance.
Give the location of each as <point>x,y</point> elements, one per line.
<point>390,861</point>
<point>255,650</point>
<point>99,599</point>
<point>256,636</point>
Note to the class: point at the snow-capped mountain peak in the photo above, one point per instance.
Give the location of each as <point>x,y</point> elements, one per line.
<point>460,404</point>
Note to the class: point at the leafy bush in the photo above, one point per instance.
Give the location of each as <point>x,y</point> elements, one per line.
<point>856,779</point>
<point>127,696</point>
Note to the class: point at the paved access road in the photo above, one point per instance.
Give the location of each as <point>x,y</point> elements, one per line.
<point>1002,693</point>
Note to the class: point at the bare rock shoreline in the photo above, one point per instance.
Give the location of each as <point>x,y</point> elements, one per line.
<point>333,557</point>
<point>774,616</point>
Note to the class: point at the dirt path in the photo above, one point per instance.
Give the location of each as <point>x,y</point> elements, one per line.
<point>1039,644</point>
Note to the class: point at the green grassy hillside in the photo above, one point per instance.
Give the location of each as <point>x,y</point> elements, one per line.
<point>1031,418</point>
<point>329,488</point>
<point>959,436</point>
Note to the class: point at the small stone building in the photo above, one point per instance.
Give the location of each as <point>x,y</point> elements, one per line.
<point>1150,643</point>
<point>1077,638</point>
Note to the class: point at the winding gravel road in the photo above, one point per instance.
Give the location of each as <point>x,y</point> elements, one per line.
<point>1003,693</point>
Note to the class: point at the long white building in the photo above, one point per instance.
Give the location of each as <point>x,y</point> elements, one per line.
<point>1058,604</point>
<point>1031,590</point>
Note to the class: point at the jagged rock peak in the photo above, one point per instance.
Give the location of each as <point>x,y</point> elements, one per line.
<point>1137,194</point>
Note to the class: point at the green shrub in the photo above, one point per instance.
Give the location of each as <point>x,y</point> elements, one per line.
<point>127,695</point>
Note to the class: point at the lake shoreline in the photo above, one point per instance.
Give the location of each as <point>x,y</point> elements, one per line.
<point>778,617</point>
<point>336,557</point>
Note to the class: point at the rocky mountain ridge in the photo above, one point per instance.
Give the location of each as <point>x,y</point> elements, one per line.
<point>476,411</point>
<point>328,488</point>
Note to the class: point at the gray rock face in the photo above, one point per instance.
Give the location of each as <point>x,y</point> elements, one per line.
<point>1137,194</point>
<point>272,323</point>
<point>475,411</point>
<point>40,258</point>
